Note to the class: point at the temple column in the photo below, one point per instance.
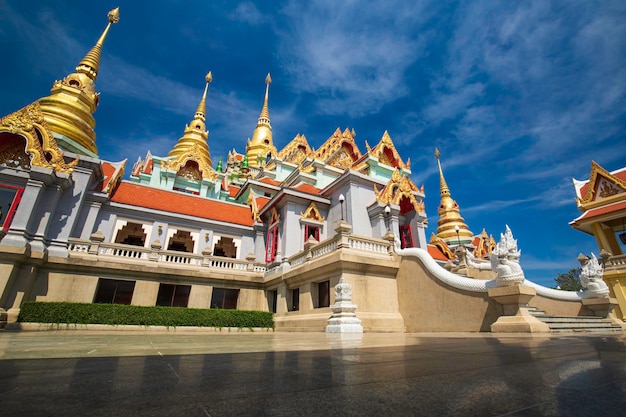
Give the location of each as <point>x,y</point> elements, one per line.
<point>24,218</point>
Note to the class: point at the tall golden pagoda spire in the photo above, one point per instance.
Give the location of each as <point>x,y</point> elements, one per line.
<point>451,226</point>
<point>70,106</point>
<point>195,136</point>
<point>261,144</point>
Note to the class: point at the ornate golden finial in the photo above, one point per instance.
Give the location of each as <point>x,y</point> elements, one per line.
<point>201,111</point>
<point>261,146</point>
<point>193,146</point>
<point>443,186</point>
<point>451,226</point>
<point>91,62</point>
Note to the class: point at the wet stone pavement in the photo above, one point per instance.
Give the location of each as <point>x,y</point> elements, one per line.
<point>82,373</point>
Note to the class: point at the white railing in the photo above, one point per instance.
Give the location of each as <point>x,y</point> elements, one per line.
<point>324,248</point>
<point>117,250</point>
<point>229,263</point>
<point>368,244</point>
<point>180,258</point>
<point>123,251</point>
<point>77,246</point>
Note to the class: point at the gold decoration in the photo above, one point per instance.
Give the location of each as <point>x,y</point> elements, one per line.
<point>261,144</point>
<point>340,150</point>
<point>442,246</point>
<point>274,217</point>
<point>15,157</point>
<point>253,206</point>
<point>601,182</point>
<point>44,152</point>
<point>486,245</point>
<point>312,213</point>
<point>296,151</point>
<point>194,153</point>
<point>397,188</point>
<point>386,153</point>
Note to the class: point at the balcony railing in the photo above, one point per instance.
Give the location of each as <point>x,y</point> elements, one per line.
<point>155,254</point>
<point>615,262</point>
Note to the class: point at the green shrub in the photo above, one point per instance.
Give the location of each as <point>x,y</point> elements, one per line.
<point>118,314</point>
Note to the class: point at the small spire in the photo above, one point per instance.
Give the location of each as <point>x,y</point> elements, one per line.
<point>219,165</point>
<point>91,62</point>
<point>201,111</point>
<point>443,186</point>
<point>265,113</point>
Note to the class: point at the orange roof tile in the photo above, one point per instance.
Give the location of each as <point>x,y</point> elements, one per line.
<point>107,170</point>
<point>176,202</point>
<point>232,191</point>
<point>436,253</point>
<point>148,168</point>
<point>262,202</point>
<point>307,188</point>
<point>270,181</point>
<point>600,211</point>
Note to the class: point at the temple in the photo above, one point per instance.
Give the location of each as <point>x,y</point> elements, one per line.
<point>308,234</point>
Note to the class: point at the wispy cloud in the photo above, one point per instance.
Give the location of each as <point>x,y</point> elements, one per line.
<point>351,56</point>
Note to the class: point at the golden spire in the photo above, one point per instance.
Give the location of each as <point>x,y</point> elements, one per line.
<point>451,226</point>
<point>201,111</point>
<point>195,135</point>
<point>264,117</point>
<point>91,62</point>
<point>190,157</point>
<point>261,145</point>
<point>70,106</point>
<point>443,186</point>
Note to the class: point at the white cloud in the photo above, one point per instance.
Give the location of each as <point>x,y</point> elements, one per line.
<point>248,12</point>
<point>351,55</point>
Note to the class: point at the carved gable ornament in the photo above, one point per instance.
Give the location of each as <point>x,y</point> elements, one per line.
<point>195,154</point>
<point>442,246</point>
<point>340,150</point>
<point>400,188</point>
<point>387,154</point>
<point>253,206</point>
<point>274,217</point>
<point>312,213</point>
<point>41,148</point>
<point>601,185</point>
<point>296,151</point>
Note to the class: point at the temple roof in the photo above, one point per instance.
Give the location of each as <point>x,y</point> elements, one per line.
<point>602,187</point>
<point>176,202</point>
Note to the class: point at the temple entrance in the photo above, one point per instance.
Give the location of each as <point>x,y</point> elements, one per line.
<point>131,234</point>
<point>181,242</point>
<point>225,247</point>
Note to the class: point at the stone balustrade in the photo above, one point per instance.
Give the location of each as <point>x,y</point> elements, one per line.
<point>155,254</point>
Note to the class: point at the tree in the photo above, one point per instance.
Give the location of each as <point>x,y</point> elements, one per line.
<point>569,281</point>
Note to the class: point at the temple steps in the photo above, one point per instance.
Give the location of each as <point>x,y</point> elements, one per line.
<point>561,324</point>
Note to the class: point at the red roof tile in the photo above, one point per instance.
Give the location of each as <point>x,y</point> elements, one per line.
<point>270,181</point>
<point>307,188</point>
<point>620,174</point>
<point>176,202</point>
<point>107,170</point>
<point>232,191</point>
<point>436,253</point>
<point>148,168</point>
<point>589,214</point>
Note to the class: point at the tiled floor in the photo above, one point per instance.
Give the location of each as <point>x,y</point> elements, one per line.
<point>83,373</point>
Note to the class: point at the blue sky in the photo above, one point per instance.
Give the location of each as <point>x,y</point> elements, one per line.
<point>518,96</point>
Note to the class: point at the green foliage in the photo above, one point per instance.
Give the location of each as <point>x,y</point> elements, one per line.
<point>118,314</point>
<point>569,281</point>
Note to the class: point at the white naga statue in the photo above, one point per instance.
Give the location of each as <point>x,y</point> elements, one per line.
<point>504,260</point>
<point>591,279</point>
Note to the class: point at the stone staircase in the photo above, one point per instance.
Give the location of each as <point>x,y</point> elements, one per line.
<point>559,324</point>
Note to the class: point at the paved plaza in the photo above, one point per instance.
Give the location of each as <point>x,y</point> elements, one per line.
<point>181,373</point>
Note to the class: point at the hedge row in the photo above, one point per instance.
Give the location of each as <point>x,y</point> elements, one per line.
<point>118,314</point>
